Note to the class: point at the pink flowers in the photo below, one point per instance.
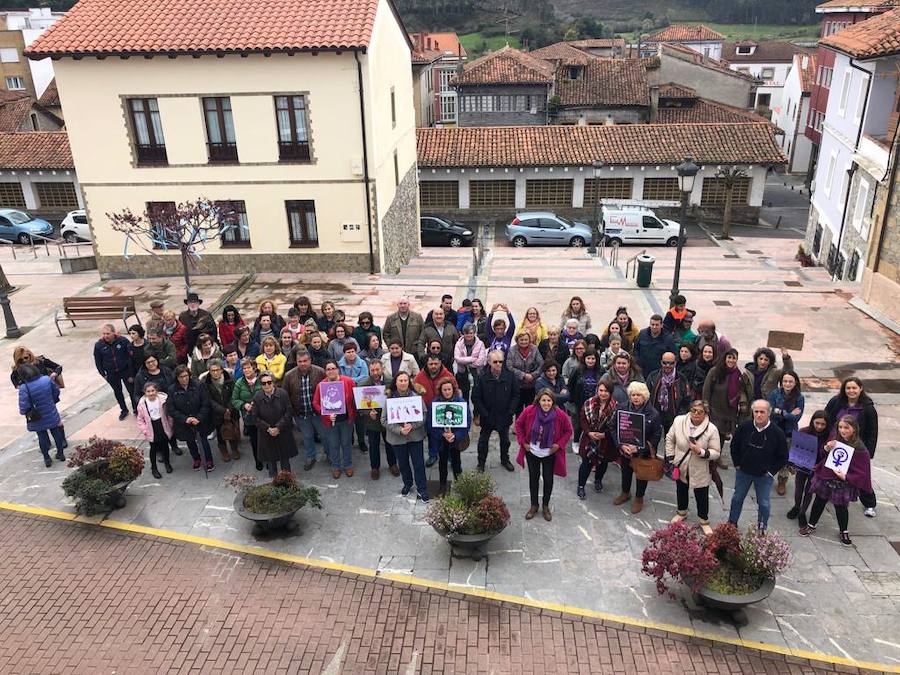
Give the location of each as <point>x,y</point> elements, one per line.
<point>678,551</point>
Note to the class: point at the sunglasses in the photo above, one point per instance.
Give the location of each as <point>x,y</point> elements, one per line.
<point>266,383</point>
<point>496,361</point>
<point>668,363</point>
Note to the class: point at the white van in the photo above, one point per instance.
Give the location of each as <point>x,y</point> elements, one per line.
<point>637,225</point>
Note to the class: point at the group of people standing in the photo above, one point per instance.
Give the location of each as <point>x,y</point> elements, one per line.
<point>194,379</point>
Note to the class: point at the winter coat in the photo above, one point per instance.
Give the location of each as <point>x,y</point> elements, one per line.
<point>190,402</point>
<point>652,429</point>
<point>219,399</point>
<point>274,411</point>
<point>335,348</point>
<point>318,356</point>
<point>251,350</point>
<point>44,365</point>
<point>560,391</point>
<point>631,334</point>
<point>428,383</point>
<point>868,420</point>
<point>164,352</point>
<point>357,372</point>
<point>694,469</point>
<point>679,396</point>
<point>521,365</point>
<point>436,434</point>
<point>462,318</point>
<point>393,330</point>
<point>648,350</point>
<point>163,380</point>
<point>361,335</point>
<point>113,358</point>
<point>559,436</point>
<point>178,336</point>
<point>278,323</point>
<point>620,391</point>
<point>579,392</point>
<point>769,457</point>
<point>782,417</point>
<point>226,331</point>
<point>448,341</point>
<point>407,365</point>
<point>495,398</point>
<point>348,400</point>
<point>559,355</point>
<point>695,373</point>
<point>392,430</point>
<point>275,366</point>
<point>200,363</point>
<point>145,424</point>
<point>770,380</point>
<point>474,361</point>
<point>203,322</point>
<point>715,396</point>
<point>584,322</point>
<point>42,394</point>
<point>291,384</point>
<point>243,393</point>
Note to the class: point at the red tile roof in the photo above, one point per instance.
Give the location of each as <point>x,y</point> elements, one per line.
<point>562,52</point>
<point>425,56</point>
<point>869,39</point>
<point>681,33</point>
<point>688,54</point>
<point>35,150</point>
<point>808,74</point>
<point>14,109</point>
<point>443,42</point>
<point>704,111</point>
<point>620,144</point>
<point>598,43</point>
<point>506,66</point>
<point>673,90</point>
<point>192,26</point>
<point>605,82</point>
<point>50,97</point>
<point>855,4</point>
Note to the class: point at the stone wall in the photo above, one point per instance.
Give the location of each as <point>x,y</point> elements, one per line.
<point>881,278</point>
<point>231,262</point>
<point>400,225</point>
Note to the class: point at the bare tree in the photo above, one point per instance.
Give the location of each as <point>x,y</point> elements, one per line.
<point>187,227</point>
<point>730,177</point>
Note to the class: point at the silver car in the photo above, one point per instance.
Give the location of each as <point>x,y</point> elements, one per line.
<point>542,228</point>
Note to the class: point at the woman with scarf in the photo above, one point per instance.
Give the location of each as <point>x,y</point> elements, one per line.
<point>176,332</point>
<point>696,371</point>
<point>623,372</point>
<point>372,349</point>
<point>205,350</point>
<point>318,352</point>
<point>596,447</point>
<point>692,444</point>
<point>533,325</point>
<point>231,319</point>
<point>524,362</point>
<point>271,359</point>
<point>576,310</point>
<point>723,394</point>
<point>840,486</point>
<point>553,348</point>
<point>551,379</point>
<point>686,356</point>
<point>787,408</point>
<point>582,386</point>
<point>818,427</point>
<point>242,403</point>
<point>543,431</point>
<point>638,402</point>
<point>365,326</point>
<point>761,376</point>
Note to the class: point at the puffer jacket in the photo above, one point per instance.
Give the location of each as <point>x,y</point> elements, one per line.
<point>474,361</point>
<point>42,394</point>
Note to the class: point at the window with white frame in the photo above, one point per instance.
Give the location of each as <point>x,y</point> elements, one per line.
<point>861,101</point>
<point>845,93</point>
<point>444,78</point>
<point>15,83</point>
<point>829,176</point>
<point>9,55</point>
<point>859,212</point>
<point>768,73</point>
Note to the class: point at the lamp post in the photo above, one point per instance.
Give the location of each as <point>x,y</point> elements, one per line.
<point>687,173</point>
<point>597,166</point>
<point>12,329</point>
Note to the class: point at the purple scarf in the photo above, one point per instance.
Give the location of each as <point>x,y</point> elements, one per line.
<point>665,381</point>
<point>734,387</point>
<point>542,429</point>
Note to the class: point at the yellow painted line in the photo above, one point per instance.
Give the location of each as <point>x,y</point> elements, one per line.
<point>419,582</point>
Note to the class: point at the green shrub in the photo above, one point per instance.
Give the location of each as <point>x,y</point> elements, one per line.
<point>272,499</point>
<point>472,486</point>
<point>91,493</point>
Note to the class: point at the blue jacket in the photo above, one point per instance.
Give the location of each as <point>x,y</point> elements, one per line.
<point>459,433</point>
<point>784,419</point>
<point>114,357</point>
<point>543,383</point>
<point>43,394</point>
<point>357,372</point>
<point>648,350</point>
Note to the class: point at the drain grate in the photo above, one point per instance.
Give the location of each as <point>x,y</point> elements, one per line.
<point>722,303</point>
<point>793,284</point>
<point>731,255</point>
<point>530,280</point>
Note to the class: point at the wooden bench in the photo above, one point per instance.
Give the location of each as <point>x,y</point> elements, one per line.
<point>97,308</point>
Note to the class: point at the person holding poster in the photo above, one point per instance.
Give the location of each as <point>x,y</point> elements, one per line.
<point>374,430</point>
<point>406,439</point>
<point>843,485</point>
<point>818,428</point>
<point>638,402</point>
<point>543,430</point>
<point>333,400</point>
<point>449,439</point>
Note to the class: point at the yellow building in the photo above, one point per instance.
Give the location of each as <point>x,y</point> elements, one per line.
<point>291,109</point>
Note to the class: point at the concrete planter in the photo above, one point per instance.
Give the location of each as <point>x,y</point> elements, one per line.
<point>734,604</point>
<point>469,545</point>
<point>78,264</point>
<point>266,522</point>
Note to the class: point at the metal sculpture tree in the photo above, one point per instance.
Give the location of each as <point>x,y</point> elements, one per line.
<point>187,227</point>
<point>730,177</point>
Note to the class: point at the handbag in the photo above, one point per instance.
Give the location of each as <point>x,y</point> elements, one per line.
<point>230,431</point>
<point>32,414</point>
<point>648,468</point>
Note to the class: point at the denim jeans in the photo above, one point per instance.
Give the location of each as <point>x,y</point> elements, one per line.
<point>374,439</point>
<point>763,487</point>
<point>337,440</point>
<point>204,443</point>
<point>308,427</point>
<point>59,439</point>
<point>412,452</point>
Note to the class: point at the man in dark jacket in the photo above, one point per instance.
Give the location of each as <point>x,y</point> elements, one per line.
<point>494,397</point>
<point>161,348</point>
<point>188,406</point>
<point>197,321</point>
<point>112,356</point>
<point>403,325</point>
<point>758,450</point>
<point>650,344</point>
<point>300,383</point>
<point>669,391</point>
<point>219,387</point>
<point>450,315</point>
<point>439,330</point>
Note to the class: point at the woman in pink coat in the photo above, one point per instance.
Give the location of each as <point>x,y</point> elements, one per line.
<point>154,422</point>
<point>543,430</point>
<point>470,356</point>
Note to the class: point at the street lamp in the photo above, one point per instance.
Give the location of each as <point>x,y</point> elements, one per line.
<point>597,165</point>
<point>687,174</point>
<point>12,329</point>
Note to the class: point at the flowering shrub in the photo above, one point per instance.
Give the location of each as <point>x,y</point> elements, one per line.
<point>489,515</point>
<point>678,551</point>
<point>725,541</point>
<point>470,509</point>
<point>281,495</point>
<point>96,448</point>
<point>125,464</point>
<point>448,514</point>
<point>92,486</point>
<point>764,554</point>
<point>472,486</point>
<point>240,481</point>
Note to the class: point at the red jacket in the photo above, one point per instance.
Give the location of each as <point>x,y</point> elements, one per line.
<point>348,400</point>
<point>179,339</point>
<point>428,383</point>
<point>226,331</point>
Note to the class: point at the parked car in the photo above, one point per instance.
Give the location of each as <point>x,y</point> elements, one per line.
<point>440,231</point>
<point>543,228</point>
<point>17,226</point>
<point>638,225</point>
<point>75,227</point>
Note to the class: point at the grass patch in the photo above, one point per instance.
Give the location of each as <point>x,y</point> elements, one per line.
<point>477,44</point>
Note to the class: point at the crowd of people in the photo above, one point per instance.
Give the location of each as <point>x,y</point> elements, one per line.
<point>555,384</point>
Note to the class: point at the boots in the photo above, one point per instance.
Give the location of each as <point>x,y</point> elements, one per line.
<point>155,472</point>
<point>226,456</point>
<point>679,516</point>
<point>622,498</point>
<point>781,488</point>
<point>637,504</point>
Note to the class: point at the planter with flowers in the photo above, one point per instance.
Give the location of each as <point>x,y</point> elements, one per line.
<point>726,570</point>
<point>272,506</point>
<point>470,515</point>
<point>104,470</point>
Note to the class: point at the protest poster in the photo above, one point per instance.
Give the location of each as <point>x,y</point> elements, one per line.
<point>839,458</point>
<point>332,395</point>
<point>450,414</point>
<point>783,339</point>
<point>631,428</point>
<point>804,450</point>
<point>403,409</point>
<point>369,397</point>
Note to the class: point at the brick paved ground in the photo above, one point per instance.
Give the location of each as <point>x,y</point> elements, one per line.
<point>82,599</point>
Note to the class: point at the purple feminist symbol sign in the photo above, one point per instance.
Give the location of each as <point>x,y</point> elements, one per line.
<point>839,457</point>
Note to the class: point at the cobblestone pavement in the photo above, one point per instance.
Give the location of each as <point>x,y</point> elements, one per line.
<point>82,599</point>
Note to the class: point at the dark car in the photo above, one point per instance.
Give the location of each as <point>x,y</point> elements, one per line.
<point>439,231</point>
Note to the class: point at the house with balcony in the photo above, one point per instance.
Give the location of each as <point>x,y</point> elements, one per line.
<point>444,69</point>
<point>791,119</point>
<point>767,60</point>
<point>300,115</point>
<point>858,132</point>
<point>699,38</point>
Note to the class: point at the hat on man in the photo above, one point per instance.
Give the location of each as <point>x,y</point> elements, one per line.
<point>193,297</point>
<point>157,304</point>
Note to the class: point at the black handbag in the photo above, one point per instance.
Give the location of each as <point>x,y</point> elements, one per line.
<point>32,414</point>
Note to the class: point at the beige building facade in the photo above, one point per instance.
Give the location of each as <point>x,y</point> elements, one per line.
<point>326,177</point>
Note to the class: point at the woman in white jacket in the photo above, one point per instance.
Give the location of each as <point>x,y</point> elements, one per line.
<point>396,361</point>
<point>691,444</point>
<point>469,356</point>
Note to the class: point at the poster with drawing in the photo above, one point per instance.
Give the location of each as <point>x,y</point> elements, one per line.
<point>403,409</point>
<point>332,394</point>
<point>839,458</point>
<point>369,397</point>
<point>449,414</point>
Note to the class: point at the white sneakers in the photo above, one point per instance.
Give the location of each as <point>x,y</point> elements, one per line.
<point>869,512</point>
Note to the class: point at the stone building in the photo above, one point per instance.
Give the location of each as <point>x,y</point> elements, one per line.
<point>299,114</point>
<point>698,38</point>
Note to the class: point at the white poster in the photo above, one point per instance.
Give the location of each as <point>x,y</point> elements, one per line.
<point>403,409</point>
<point>839,458</point>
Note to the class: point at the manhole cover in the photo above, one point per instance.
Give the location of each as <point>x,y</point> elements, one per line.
<point>730,255</point>
<point>793,284</point>
<point>754,251</point>
<point>722,303</point>
<point>530,280</point>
